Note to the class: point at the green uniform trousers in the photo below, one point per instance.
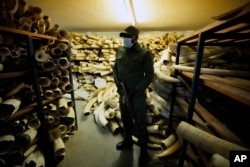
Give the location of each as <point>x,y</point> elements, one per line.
<point>138,126</point>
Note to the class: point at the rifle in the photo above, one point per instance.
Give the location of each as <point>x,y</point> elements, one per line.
<point>127,100</point>
<point>124,92</point>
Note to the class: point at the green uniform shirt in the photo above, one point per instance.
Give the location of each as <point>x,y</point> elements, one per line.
<point>134,67</point>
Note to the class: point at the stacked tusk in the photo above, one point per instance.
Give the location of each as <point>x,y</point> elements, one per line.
<point>30,150</point>
<point>63,63</point>
<point>169,141</point>
<point>15,90</point>
<point>42,56</point>
<point>9,107</point>
<point>205,140</point>
<point>6,142</point>
<point>1,66</point>
<point>62,106</point>
<point>41,27</point>
<point>34,123</point>
<point>59,146</point>
<point>47,22</point>
<point>44,82</point>
<point>37,158</point>
<point>218,161</point>
<point>63,34</point>
<point>114,127</point>
<point>170,150</point>
<point>53,30</point>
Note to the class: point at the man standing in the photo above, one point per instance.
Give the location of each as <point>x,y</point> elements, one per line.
<point>133,70</point>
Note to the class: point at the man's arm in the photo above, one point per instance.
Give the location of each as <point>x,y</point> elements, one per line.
<point>148,68</point>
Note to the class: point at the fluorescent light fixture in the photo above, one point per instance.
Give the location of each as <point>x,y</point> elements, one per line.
<point>128,5</point>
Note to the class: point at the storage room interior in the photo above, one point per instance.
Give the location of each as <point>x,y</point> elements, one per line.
<point>59,104</point>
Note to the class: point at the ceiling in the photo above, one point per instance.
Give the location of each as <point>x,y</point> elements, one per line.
<point>149,15</point>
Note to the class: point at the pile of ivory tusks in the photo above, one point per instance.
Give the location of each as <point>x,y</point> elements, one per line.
<point>103,104</point>
<point>20,15</point>
<point>60,117</point>
<point>96,56</point>
<point>53,62</point>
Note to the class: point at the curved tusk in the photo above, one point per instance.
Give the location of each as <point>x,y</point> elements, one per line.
<point>169,141</point>
<point>99,115</point>
<point>9,107</point>
<point>150,145</point>
<point>87,109</point>
<point>172,149</point>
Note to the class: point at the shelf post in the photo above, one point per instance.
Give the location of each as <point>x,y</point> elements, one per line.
<point>173,92</point>
<point>46,144</point>
<point>71,81</point>
<point>194,89</point>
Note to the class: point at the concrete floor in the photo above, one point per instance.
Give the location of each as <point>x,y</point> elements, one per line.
<point>93,146</point>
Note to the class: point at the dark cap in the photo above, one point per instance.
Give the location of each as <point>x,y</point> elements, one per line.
<point>130,31</point>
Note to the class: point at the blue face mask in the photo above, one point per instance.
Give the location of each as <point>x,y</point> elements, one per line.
<point>127,42</point>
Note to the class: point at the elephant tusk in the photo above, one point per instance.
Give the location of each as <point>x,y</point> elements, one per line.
<point>171,150</point>
<point>169,141</point>
<point>62,106</point>
<point>59,146</point>
<point>42,57</point>
<point>7,142</point>
<point>205,140</point>
<point>15,90</point>
<point>44,82</point>
<point>114,127</point>
<point>36,158</point>
<point>87,109</point>
<point>217,161</point>
<point>29,150</point>
<point>99,115</point>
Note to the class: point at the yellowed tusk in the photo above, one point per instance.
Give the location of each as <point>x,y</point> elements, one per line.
<point>30,150</point>
<point>44,82</point>
<point>169,141</point>
<point>87,109</point>
<point>36,158</point>
<point>59,146</point>
<point>8,141</point>
<point>218,161</point>
<point>62,106</point>
<point>169,151</point>
<point>31,134</point>
<point>206,141</point>
<point>99,115</point>
<point>34,123</point>
<point>114,126</point>
<point>15,90</point>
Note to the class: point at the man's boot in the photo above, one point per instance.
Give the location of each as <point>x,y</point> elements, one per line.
<point>125,144</point>
<point>144,157</point>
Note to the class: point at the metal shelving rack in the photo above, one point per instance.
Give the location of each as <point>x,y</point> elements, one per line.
<point>230,29</point>
<point>44,141</point>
